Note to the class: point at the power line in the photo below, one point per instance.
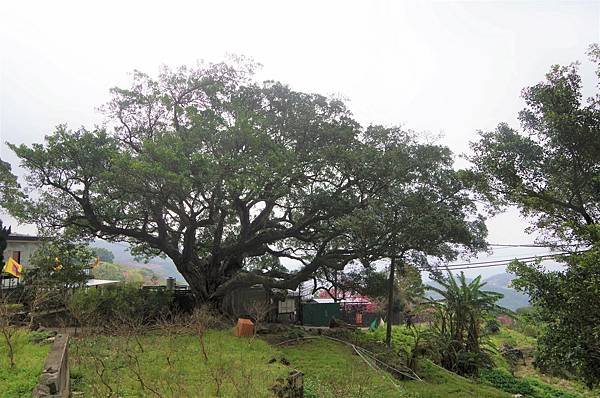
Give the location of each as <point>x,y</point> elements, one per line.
<point>476,266</point>
<point>502,262</point>
<point>553,244</point>
<point>509,260</point>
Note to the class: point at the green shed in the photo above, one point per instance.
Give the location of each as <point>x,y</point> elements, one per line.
<point>319,314</point>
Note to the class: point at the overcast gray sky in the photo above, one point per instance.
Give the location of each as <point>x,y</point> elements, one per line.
<point>442,68</point>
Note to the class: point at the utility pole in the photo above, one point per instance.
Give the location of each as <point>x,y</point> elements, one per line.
<point>390,311</point>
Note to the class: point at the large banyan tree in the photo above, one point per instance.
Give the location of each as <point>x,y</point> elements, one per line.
<point>224,175</point>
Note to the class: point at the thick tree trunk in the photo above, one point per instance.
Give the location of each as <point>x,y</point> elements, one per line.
<point>205,281</point>
<point>197,281</point>
<point>390,309</point>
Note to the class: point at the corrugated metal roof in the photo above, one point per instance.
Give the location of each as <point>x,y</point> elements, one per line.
<point>100,282</point>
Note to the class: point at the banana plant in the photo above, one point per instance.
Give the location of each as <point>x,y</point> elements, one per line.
<point>459,316</point>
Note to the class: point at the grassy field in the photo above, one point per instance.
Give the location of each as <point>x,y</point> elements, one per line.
<point>511,337</point>
<point>173,365</point>
<point>332,370</point>
<point>29,358</point>
<point>527,380</point>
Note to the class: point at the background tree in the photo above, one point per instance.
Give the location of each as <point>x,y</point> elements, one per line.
<point>368,281</point>
<point>61,263</point>
<point>410,292</point>
<point>56,268</point>
<point>104,254</point>
<point>425,210</point>
<point>10,191</point>
<point>551,171</point>
<point>9,195</point>
<point>4,233</point>
<point>567,304</point>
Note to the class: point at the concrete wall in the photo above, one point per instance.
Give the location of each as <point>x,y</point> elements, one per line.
<point>55,380</point>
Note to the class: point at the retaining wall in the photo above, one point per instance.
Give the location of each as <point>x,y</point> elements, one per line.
<point>54,381</point>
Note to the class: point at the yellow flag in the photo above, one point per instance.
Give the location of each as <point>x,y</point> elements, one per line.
<point>57,265</point>
<point>14,268</point>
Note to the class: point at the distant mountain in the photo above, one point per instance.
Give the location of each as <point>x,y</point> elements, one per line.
<point>502,280</point>
<point>122,272</point>
<point>163,267</point>
<point>499,283</point>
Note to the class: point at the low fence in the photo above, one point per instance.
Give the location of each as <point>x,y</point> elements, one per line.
<point>54,381</point>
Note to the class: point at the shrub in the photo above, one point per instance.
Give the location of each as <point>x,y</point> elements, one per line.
<point>119,303</point>
<point>492,326</point>
<point>544,390</point>
<point>39,337</point>
<point>458,319</point>
<point>528,386</point>
<point>12,308</point>
<point>503,380</point>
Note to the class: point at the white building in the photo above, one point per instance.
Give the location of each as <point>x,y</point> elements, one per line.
<point>20,247</point>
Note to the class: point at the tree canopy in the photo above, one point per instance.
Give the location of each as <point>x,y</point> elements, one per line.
<point>9,194</point>
<point>424,211</point>
<point>550,169</point>
<point>568,304</point>
<point>60,264</point>
<point>9,187</point>
<point>226,176</point>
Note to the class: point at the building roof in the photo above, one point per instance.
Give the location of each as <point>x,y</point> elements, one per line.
<point>323,300</point>
<point>350,300</point>
<point>100,282</point>
<point>15,237</point>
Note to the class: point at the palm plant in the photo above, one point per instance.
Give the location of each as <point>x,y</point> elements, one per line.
<point>459,315</point>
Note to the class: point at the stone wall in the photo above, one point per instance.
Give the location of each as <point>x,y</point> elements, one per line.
<point>54,380</point>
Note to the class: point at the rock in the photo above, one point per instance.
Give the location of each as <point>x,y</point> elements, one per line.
<point>284,361</point>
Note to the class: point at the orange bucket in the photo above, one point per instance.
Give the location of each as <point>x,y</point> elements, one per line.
<point>244,328</point>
